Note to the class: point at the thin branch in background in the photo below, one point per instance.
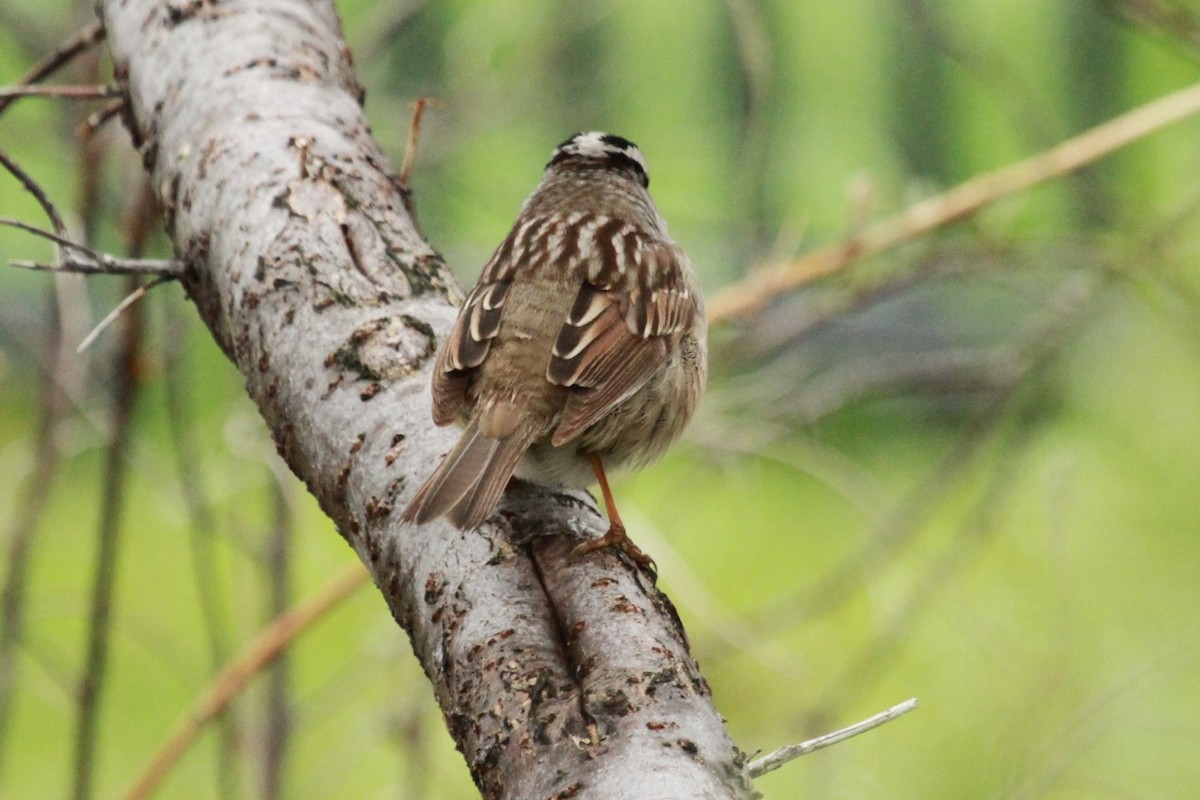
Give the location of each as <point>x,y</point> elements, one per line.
<point>278,712</point>
<point>83,260</point>
<point>80,42</point>
<point>408,734</point>
<point>126,383</point>
<point>773,761</point>
<point>97,118</point>
<point>31,186</point>
<point>105,264</point>
<point>87,92</point>
<point>414,136</point>
<point>390,17</point>
<point>257,654</point>
<point>125,389</point>
<point>64,241</point>
<point>35,495</point>
<point>78,258</point>
<point>751,96</point>
<point>1028,108</point>
<point>1039,342</point>
<point>976,531</point>
<point>1174,22</point>
<point>92,152</point>
<point>203,530</point>
<point>763,286</point>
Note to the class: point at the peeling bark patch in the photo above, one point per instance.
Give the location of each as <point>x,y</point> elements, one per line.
<point>624,605</point>
<point>386,348</point>
<point>397,450</point>
<point>567,792</point>
<point>312,199</point>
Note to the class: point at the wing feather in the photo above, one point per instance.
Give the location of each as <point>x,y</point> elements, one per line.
<point>618,333</point>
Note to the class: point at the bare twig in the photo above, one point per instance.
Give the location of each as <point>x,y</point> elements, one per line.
<point>10,93</point>
<point>100,116</point>
<point>759,288</point>
<point>83,260</point>
<point>105,264</point>
<point>414,135</point>
<point>112,316</point>
<point>65,241</point>
<point>79,42</point>
<point>258,653</point>
<point>31,186</point>
<point>773,761</point>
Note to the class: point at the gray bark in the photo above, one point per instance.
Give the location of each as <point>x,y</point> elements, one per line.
<point>304,261</point>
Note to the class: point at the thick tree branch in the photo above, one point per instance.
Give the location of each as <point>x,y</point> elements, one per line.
<point>559,677</point>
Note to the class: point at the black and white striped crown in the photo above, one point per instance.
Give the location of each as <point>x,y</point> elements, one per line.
<point>606,150</point>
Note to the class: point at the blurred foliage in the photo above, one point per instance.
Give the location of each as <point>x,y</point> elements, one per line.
<point>965,471</point>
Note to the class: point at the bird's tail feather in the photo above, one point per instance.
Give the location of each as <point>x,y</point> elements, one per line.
<point>468,483</point>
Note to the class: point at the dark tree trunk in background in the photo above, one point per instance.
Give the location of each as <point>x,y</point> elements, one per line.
<point>559,677</point>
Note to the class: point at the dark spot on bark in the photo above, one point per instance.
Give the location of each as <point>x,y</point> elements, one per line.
<point>358,443</point>
<point>688,746</point>
<point>577,629</point>
<point>602,582</point>
<point>377,509</point>
<point>178,13</point>
<point>567,792</point>
<point>435,584</point>
<point>614,703</point>
<point>657,679</point>
<point>370,392</point>
<point>339,490</point>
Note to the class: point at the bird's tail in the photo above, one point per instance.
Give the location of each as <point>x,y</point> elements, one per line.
<point>467,485</point>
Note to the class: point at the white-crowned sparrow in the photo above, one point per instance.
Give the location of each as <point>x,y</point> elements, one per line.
<point>582,346</point>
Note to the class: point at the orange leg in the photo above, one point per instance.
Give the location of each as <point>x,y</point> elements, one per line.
<point>616,529</point>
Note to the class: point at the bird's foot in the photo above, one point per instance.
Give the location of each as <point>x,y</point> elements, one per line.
<point>616,537</point>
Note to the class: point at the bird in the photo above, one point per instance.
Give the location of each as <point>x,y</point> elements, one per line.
<point>581,349</point>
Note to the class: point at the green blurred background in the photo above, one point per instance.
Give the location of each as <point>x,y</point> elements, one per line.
<point>965,471</point>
